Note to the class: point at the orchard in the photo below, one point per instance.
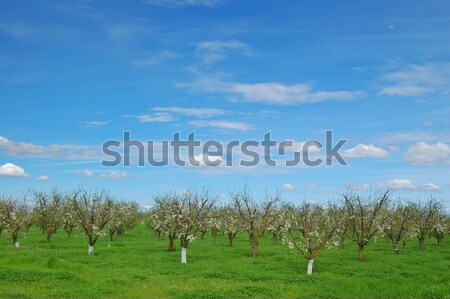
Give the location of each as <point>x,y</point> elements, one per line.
<point>178,219</point>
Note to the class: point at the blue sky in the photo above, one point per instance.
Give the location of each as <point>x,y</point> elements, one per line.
<point>74,74</point>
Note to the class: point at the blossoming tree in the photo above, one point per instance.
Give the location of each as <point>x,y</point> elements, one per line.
<point>441,227</point>
<point>398,223</point>
<point>15,216</point>
<point>124,216</point>
<point>425,216</point>
<point>195,208</point>
<point>49,211</point>
<point>69,216</point>
<point>94,212</point>
<point>230,222</point>
<point>310,228</point>
<point>256,216</point>
<point>164,218</point>
<point>364,217</point>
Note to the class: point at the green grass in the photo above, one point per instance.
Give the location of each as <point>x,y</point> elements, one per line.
<point>138,265</point>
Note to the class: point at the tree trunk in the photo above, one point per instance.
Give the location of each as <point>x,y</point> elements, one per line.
<point>49,236</point>
<point>111,235</point>
<point>439,241</point>
<point>310,267</point>
<point>361,254</point>
<point>183,255</point>
<point>421,243</point>
<point>15,237</point>
<point>171,245</point>
<point>395,245</point>
<point>342,242</point>
<point>90,249</point>
<point>254,247</point>
<point>230,239</point>
<point>274,238</point>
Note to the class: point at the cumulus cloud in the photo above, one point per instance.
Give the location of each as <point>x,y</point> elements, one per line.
<point>222,124</point>
<point>209,52</point>
<point>288,187</point>
<point>270,92</point>
<point>365,150</point>
<point>43,178</point>
<point>428,154</point>
<point>12,170</point>
<point>114,175</point>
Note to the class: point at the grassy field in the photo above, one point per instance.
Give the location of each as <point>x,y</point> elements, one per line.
<point>138,265</point>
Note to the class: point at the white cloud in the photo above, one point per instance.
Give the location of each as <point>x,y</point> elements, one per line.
<point>207,160</point>
<point>85,172</point>
<point>197,112</point>
<point>397,184</point>
<point>414,80</point>
<point>54,151</point>
<point>288,187</point>
<point>90,124</point>
<point>43,178</point>
<point>115,175</point>
<point>180,3</point>
<point>157,117</point>
<point>12,170</point>
<point>155,59</point>
<point>270,92</point>
<point>222,124</point>
<point>365,150</point>
<point>408,185</point>
<point>311,185</point>
<point>209,52</point>
<point>428,154</point>
<point>430,187</point>
<point>414,136</point>
<point>402,90</point>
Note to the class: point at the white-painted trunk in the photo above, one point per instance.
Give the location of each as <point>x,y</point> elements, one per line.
<point>17,244</point>
<point>183,255</point>
<point>310,267</point>
<point>90,249</point>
